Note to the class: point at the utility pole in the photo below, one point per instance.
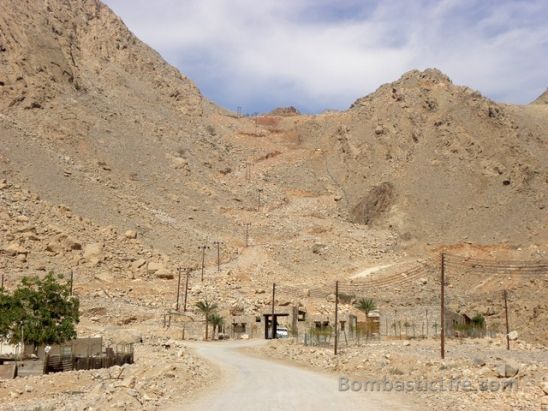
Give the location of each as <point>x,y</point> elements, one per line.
<point>239,111</point>
<point>203,248</point>
<point>22,341</point>
<point>188,270</point>
<point>336,316</point>
<point>273,303</point>
<point>427,323</point>
<point>506,315</point>
<point>442,306</point>
<point>178,289</point>
<point>259,191</point>
<point>247,225</point>
<point>71,281</point>
<point>218,245</point>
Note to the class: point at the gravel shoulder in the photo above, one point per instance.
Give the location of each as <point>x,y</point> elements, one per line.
<point>474,362</point>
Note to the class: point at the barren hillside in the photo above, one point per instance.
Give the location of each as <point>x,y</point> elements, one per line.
<point>437,162</point>
<point>95,122</point>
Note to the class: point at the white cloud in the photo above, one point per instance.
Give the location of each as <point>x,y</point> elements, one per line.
<point>262,54</point>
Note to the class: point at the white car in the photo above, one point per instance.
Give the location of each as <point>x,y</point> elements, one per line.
<point>282,332</point>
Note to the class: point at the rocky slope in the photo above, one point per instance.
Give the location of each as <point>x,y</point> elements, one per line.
<point>437,162</point>
<point>114,166</point>
<point>542,99</point>
<point>112,138</point>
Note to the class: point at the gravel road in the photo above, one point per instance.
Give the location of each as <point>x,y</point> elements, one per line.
<point>251,383</point>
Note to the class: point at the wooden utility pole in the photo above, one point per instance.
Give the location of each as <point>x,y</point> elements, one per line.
<point>71,281</point>
<point>22,341</point>
<point>336,316</point>
<point>247,225</point>
<point>178,289</point>
<point>188,270</point>
<point>259,191</point>
<point>427,323</point>
<point>506,315</point>
<point>442,313</point>
<point>273,304</point>
<point>203,248</point>
<point>218,245</point>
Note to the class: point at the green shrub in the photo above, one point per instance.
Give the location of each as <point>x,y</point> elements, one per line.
<point>39,311</point>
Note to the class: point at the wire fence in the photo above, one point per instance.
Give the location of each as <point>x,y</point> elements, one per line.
<point>481,298</point>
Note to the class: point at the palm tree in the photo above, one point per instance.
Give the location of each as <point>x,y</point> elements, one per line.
<point>217,321</point>
<point>207,309</point>
<point>366,305</point>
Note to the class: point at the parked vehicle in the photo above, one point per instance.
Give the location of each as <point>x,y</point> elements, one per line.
<point>282,332</point>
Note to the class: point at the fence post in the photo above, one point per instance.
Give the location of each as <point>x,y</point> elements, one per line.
<point>336,316</point>
<point>442,339</point>
<point>273,305</point>
<point>506,315</point>
<point>427,323</point>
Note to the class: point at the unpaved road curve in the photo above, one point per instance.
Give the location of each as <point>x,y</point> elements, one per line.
<point>249,383</point>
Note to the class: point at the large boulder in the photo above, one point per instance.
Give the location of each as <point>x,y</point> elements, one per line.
<point>130,234</point>
<point>14,249</point>
<point>105,276</point>
<point>508,369</point>
<point>154,267</point>
<point>73,244</point>
<point>164,274</point>
<point>93,250</point>
<point>544,387</point>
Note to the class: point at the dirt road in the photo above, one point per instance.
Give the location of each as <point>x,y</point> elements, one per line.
<point>251,383</point>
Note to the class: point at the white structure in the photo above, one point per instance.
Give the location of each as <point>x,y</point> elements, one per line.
<point>9,349</point>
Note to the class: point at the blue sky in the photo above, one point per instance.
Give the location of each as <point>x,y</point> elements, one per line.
<point>320,54</point>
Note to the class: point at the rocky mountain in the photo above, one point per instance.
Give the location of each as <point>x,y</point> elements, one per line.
<point>113,166</point>
<point>542,99</point>
<point>439,162</point>
<point>98,130</point>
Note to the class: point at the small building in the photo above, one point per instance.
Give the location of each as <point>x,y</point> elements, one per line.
<point>241,325</point>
